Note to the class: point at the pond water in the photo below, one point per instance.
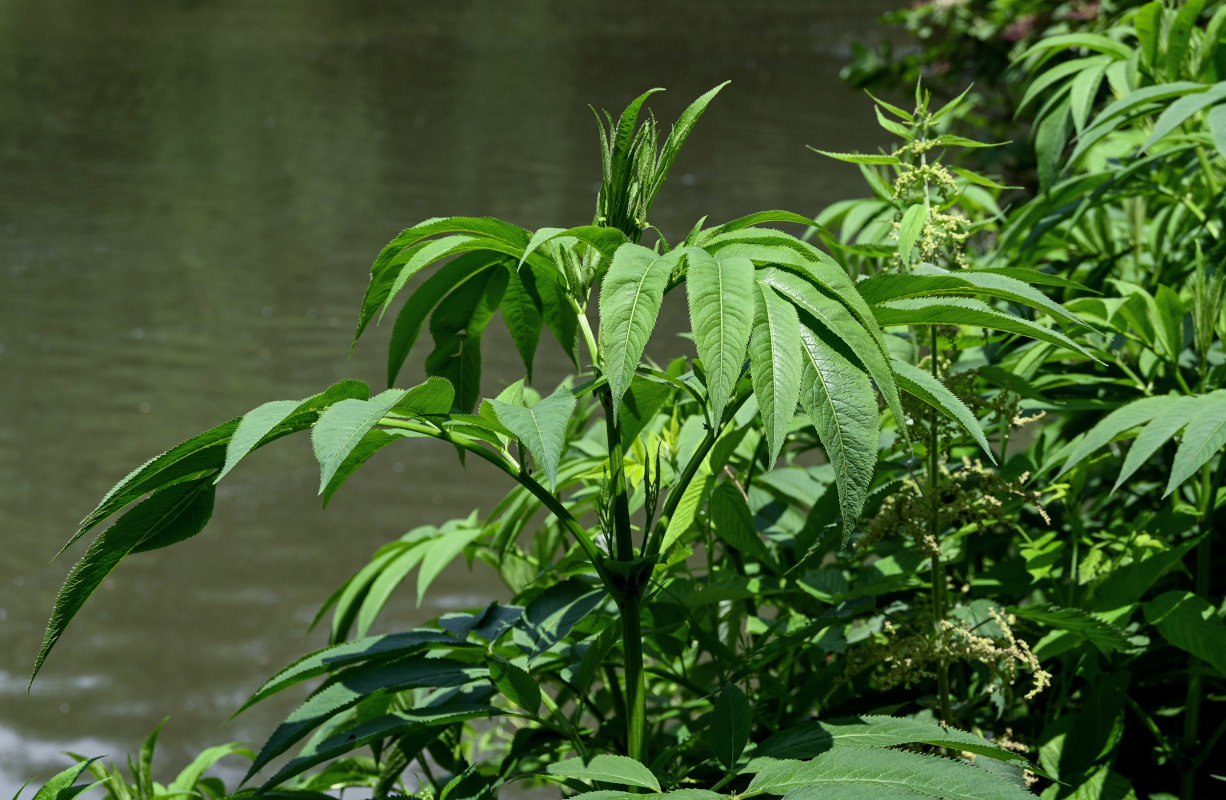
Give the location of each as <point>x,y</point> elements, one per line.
<point>191,193</point>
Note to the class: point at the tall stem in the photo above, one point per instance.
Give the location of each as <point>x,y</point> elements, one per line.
<point>636,683</point>
<point>938,566</point>
<point>1196,667</point>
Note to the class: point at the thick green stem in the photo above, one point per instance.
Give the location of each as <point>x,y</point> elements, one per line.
<point>1196,667</point>
<point>622,536</point>
<point>938,566</point>
<point>636,683</point>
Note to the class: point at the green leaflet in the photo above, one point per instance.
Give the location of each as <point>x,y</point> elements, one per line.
<point>61,787</point>
<point>677,136</point>
<point>621,770</point>
<point>840,402</point>
<point>1125,108</point>
<point>434,398</point>
<point>431,252</point>
<point>422,302</point>
<point>1181,110</point>
<point>841,325</point>
<point>1190,623</point>
<point>382,648</point>
<point>265,423</point>
<point>927,280</point>
<point>515,684</point>
<point>339,430</point>
<point>927,388</point>
<point>749,221</point>
<point>1107,638</point>
<point>721,299</point>
<point>1157,432</point>
<point>831,774</point>
<point>541,428</point>
<point>390,725</point>
<point>521,311</point>
<point>454,536</point>
<point>730,724</point>
<point>189,777</point>
<point>913,220</point>
<point>603,240</point>
<point>630,299</point>
<point>170,515</point>
<point>870,730</point>
<point>858,158</point>
<point>347,688</point>
<point>457,325</point>
<point>1203,438</point>
<point>775,367</point>
<point>965,311</point>
<point>1129,416</point>
<point>733,521</point>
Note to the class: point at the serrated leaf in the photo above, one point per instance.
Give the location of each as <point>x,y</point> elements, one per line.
<point>733,521</point>
<point>170,515</point>
<point>730,722</point>
<point>431,252</point>
<point>630,299</point>
<point>775,365</point>
<point>1157,432</point>
<point>677,136</point>
<point>621,770</point>
<point>60,786</point>
<point>1190,623</point>
<point>347,689</point>
<point>912,224</point>
<point>339,429</point>
<point>434,398</point>
<point>554,612</point>
<point>811,739</point>
<point>842,325</point>
<point>1181,110</point>
<point>521,310</point>
<point>859,158</point>
<point>541,428</point>
<point>840,402</point>
<point>384,648</point>
<point>515,684</point>
<point>721,298</point>
<point>1121,419</point>
<point>923,385</point>
<point>454,536</point>
<point>1204,437</point>
<point>830,775</point>
<point>457,325</point>
<point>1179,35</point>
<point>965,311</point>
<point>1102,635</point>
<point>190,776</point>
<point>750,220</point>
<point>371,442</point>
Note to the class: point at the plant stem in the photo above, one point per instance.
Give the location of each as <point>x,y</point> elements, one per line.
<point>938,566</point>
<point>1196,667</point>
<point>617,477</point>
<point>636,683</point>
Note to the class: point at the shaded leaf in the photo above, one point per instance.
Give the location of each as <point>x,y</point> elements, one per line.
<point>1204,437</point>
<point>621,770</point>
<point>730,722</point>
<point>541,428</point>
<point>1190,623</point>
<point>515,684</point>
<point>457,325</point>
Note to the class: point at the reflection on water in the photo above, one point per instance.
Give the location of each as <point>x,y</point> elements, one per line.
<point>190,194</point>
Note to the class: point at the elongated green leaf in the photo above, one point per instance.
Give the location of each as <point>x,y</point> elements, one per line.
<point>913,220</point>
<point>371,442</point>
<point>339,429</point>
<point>1083,90</point>
<point>515,684</point>
<point>751,220</point>
<point>434,398</point>
<point>811,739</point>
<point>842,325</point>
<point>190,776</point>
<point>372,648</point>
<point>621,770</point>
<point>417,308</point>
<point>345,690</point>
<point>1089,41</point>
<point>923,385</point>
<point>831,774</point>
<point>604,240</point>
<point>630,299</point>
<point>1104,636</point>
<point>730,722</point>
<point>457,326</point>
<point>394,571</point>
<point>776,365</point>
<point>1181,110</point>
<point>965,311</point>
<point>541,428</point>
<point>840,401</point>
<point>431,252</point>
<point>554,612</point>
<point>1050,139</point>
<point>455,535</point>
<point>1217,128</point>
<point>347,740</point>
<point>1190,623</point>
<point>1129,416</point>
<point>721,297</point>
<point>859,158</point>
<point>680,132</point>
<point>1126,107</point>
<point>1147,23</point>
<point>170,515</point>
<point>926,280</point>
<point>521,310</point>
<point>1180,33</point>
<point>61,787</point>
<point>1157,432</point>
<point>733,522</point>
<point>1204,437</point>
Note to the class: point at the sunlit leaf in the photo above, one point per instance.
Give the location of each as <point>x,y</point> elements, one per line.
<point>721,299</point>
<point>775,365</point>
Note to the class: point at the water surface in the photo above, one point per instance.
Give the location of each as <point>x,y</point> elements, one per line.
<point>191,193</point>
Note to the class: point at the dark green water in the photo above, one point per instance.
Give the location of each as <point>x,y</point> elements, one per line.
<point>191,193</point>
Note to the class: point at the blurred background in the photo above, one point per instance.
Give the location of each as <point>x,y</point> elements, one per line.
<point>191,193</point>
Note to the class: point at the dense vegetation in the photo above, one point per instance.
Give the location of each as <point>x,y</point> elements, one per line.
<point>929,511</point>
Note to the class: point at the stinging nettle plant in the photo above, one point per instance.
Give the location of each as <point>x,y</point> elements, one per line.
<point>616,664</point>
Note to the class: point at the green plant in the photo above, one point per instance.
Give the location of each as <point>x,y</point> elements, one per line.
<point>622,660</point>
